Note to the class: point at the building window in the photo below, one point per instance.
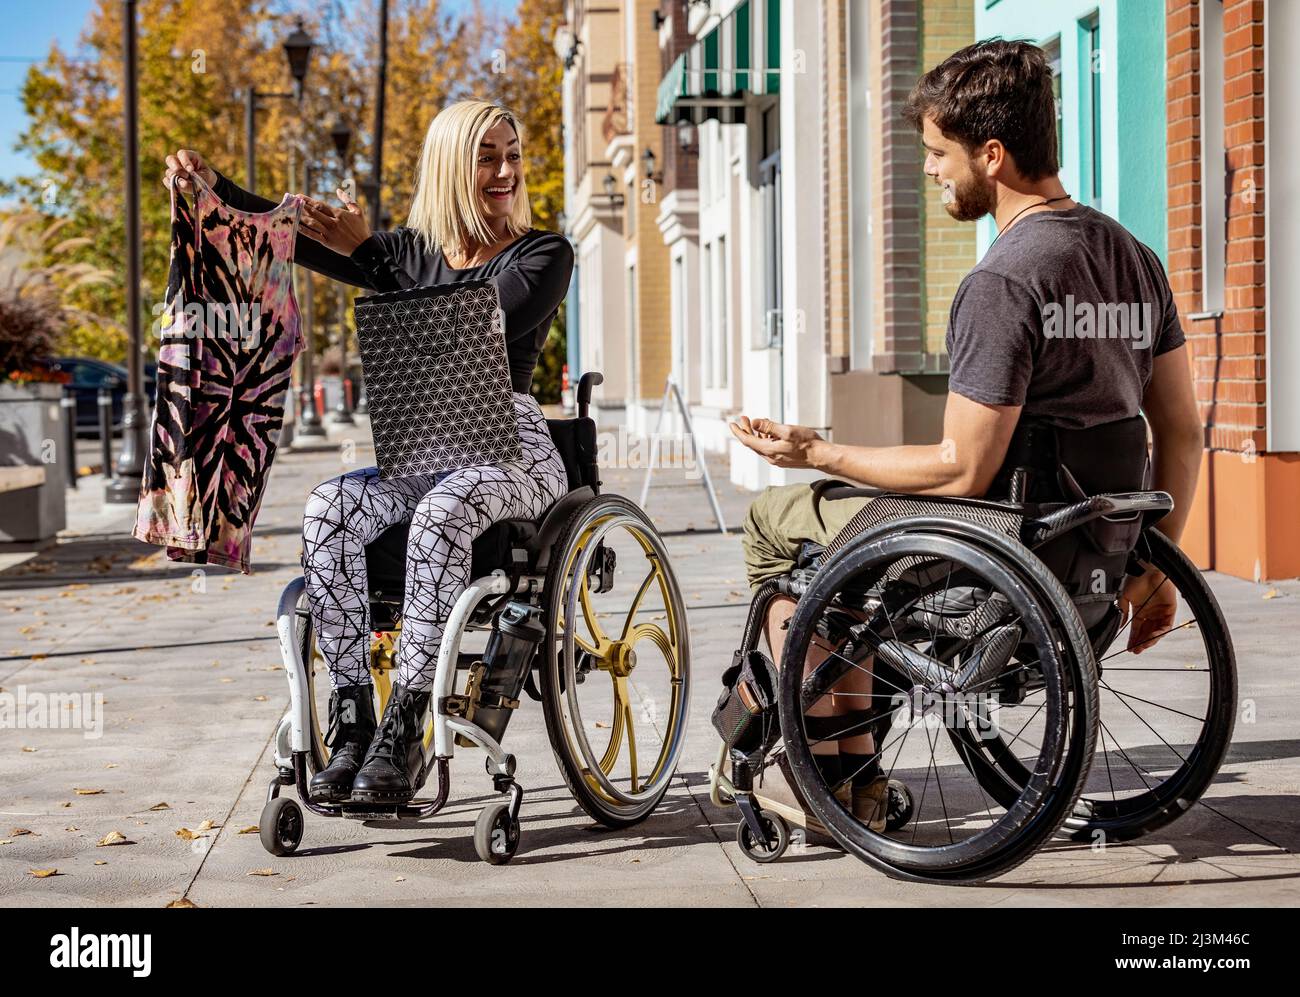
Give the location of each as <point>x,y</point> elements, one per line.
<point>1090,109</point>
<point>633,350</point>
<point>862,160</point>
<point>769,180</point>
<point>721,342</point>
<point>706,309</point>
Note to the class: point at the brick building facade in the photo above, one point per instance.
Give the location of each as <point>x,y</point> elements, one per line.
<point>1230,231</point>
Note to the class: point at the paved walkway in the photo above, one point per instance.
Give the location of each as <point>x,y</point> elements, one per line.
<point>188,666</point>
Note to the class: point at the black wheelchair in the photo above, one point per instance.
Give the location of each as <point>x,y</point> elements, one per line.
<point>585,589</point>
<point>1005,701</point>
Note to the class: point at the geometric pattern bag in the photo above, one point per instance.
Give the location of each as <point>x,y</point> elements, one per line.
<point>437,379</point>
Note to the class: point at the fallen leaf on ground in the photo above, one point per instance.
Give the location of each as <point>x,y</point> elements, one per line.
<point>264,872</point>
<point>160,806</point>
<point>114,838</point>
<point>1272,594</point>
<point>182,902</point>
<point>30,750</point>
<point>87,792</point>
<point>19,831</point>
<point>43,873</point>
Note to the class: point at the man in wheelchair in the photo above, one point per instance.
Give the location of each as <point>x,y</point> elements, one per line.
<point>1066,328</point>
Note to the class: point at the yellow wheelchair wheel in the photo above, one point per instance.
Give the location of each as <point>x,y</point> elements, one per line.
<point>615,666</point>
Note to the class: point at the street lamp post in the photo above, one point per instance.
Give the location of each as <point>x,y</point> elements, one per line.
<point>309,424</point>
<point>297,49</point>
<point>342,137</point>
<point>125,484</point>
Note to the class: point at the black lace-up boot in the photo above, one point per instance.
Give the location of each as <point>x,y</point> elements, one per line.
<point>392,766</point>
<point>351,729</point>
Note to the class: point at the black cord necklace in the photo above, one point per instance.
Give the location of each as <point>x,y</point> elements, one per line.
<point>1036,204</point>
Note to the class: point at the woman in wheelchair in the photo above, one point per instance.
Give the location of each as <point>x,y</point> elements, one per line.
<point>470,219</point>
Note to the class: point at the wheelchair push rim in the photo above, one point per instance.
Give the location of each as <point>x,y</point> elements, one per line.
<point>611,780</point>
<point>964,836</point>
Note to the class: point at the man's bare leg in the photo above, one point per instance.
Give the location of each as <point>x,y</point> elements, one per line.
<point>857,683</point>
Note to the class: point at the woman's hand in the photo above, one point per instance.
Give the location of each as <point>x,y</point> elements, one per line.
<point>340,229</point>
<point>183,162</point>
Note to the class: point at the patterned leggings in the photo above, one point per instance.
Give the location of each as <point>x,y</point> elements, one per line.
<point>447,511</point>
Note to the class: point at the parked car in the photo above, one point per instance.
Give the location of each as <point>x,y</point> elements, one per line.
<point>88,375</point>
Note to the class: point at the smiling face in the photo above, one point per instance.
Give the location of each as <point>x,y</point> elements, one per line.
<point>967,187</point>
<point>499,170</point>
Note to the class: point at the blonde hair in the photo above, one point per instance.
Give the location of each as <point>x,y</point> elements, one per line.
<point>445,209</point>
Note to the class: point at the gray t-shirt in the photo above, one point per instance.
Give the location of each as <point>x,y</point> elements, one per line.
<point>1063,316</point>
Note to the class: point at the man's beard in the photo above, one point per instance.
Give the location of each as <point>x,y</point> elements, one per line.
<point>970,200</point>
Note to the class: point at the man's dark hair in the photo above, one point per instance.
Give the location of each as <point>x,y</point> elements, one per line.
<point>994,89</point>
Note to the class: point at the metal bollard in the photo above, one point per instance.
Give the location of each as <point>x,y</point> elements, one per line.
<point>106,430</point>
<point>68,409</point>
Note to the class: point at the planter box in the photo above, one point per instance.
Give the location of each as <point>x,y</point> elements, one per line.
<point>30,431</point>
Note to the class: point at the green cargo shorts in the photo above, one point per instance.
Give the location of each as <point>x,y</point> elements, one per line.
<point>783,517</point>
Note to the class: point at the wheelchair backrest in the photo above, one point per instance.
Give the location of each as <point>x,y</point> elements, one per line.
<point>576,441</point>
<point>1049,466</point>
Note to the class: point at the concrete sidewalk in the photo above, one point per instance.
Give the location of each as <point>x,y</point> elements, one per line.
<point>188,665</point>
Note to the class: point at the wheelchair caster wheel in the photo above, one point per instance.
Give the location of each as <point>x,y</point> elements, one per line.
<point>280,826</point>
<point>899,808</point>
<point>496,834</point>
<point>778,838</point>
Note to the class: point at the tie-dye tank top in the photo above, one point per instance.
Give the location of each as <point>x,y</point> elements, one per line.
<point>230,331</point>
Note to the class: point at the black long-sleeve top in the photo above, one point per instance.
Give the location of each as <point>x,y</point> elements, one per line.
<point>532,274</point>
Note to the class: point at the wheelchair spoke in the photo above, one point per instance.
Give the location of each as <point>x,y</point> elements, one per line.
<point>589,617</point>
<point>832,653</point>
<point>636,600</point>
<point>1105,755</point>
<point>1159,706</point>
<point>1153,730</point>
<point>623,701</point>
<point>938,782</point>
<point>1141,772</point>
<point>1146,645</point>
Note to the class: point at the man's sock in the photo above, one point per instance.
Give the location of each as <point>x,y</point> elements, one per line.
<point>830,768</point>
<point>862,768</point>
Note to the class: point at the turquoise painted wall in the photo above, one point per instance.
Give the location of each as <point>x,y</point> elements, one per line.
<point>1132,78</point>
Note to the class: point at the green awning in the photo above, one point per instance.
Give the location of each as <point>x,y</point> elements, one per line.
<point>713,78</point>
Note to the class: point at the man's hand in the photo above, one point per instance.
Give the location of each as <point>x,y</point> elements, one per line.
<point>780,445</point>
<point>1149,602</point>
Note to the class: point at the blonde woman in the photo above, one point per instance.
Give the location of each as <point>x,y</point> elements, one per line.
<point>470,219</point>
